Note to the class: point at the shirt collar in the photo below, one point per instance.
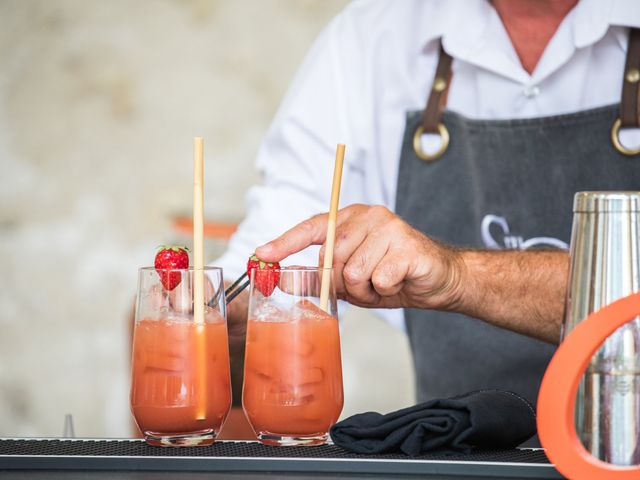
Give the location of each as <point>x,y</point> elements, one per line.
<point>477,37</point>
<point>466,33</point>
<point>594,17</point>
<point>457,31</point>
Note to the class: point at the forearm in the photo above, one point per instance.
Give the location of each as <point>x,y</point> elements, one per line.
<point>519,291</point>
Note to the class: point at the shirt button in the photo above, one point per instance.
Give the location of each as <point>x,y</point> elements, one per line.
<point>531,91</point>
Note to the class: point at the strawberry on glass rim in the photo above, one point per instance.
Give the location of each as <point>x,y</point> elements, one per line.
<point>171,257</point>
<point>267,274</point>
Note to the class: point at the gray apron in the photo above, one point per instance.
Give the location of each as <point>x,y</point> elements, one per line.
<point>498,184</point>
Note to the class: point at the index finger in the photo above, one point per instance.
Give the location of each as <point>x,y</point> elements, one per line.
<point>312,231</point>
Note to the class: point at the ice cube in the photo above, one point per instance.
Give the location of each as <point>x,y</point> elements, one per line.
<point>152,302</point>
<point>310,376</point>
<point>177,331</point>
<point>174,319</point>
<point>260,372</point>
<point>285,395</point>
<point>181,299</point>
<point>307,399</point>
<point>301,347</point>
<point>213,315</point>
<point>161,360</point>
<point>267,311</point>
<point>307,310</point>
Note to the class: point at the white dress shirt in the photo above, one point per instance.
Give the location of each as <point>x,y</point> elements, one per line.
<point>375,62</point>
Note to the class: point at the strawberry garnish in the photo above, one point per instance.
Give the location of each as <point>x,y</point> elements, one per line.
<point>171,257</point>
<point>267,274</point>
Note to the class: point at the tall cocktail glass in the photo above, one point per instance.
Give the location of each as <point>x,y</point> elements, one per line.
<point>180,382</point>
<point>292,390</point>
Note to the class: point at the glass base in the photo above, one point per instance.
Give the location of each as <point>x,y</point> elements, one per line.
<point>194,439</point>
<point>293,440</point>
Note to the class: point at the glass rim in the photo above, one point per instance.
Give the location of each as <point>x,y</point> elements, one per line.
<point>300,268</point>
<point>188,269</point>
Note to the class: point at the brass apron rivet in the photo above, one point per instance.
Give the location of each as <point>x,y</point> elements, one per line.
<point>439,84</point>
<point>633,75</point>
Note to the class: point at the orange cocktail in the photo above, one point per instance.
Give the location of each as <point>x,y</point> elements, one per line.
<point>293,374</point>
<point>180,386</point>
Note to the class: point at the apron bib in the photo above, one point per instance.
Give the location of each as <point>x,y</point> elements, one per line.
<point>505,184</point>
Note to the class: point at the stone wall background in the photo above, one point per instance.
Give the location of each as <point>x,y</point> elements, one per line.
<point>99,102</point>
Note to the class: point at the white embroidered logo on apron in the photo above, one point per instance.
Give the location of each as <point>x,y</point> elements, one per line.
<point>511,241</point>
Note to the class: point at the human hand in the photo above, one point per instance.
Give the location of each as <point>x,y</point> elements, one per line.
<point>379,260</point>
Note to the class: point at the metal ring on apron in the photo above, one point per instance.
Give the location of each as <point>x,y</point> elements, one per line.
<point>417,144</point>
<point>615,139</point>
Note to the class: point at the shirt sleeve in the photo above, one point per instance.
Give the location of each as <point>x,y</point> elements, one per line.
<point>296,158</point>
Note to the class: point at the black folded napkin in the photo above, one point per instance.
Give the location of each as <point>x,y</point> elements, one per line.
<point>487,419</point>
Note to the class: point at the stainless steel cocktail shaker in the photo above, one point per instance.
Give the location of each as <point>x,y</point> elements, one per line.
<point>605,266</point>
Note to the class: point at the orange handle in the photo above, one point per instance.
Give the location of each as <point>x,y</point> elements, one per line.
<point>556,401</point>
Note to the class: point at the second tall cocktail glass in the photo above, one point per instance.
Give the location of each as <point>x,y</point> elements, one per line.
<point>293,372</point>
<point>180,385</point>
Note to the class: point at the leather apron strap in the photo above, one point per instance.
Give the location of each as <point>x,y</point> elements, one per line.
<point>432,114</point>
<point>439,91</point>
<point>630,101</point>
<point>437,101</point>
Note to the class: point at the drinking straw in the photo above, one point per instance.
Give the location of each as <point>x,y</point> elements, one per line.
<point>198,231</point>
<point>198,273</point>
<point>331,227</point>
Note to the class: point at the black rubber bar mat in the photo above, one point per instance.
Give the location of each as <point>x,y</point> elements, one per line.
<point>130,454</point>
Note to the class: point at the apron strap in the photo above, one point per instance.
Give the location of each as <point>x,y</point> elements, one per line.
<point>438,95</point>
<point>629,113</point>
<point>630,101</point>
<point>431,116</point>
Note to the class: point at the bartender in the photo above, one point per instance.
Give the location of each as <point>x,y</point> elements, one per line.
<point>469,126</point>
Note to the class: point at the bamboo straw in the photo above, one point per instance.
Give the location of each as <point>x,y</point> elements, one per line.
<point>198,230</point>
<point>198,273</point>
<point>331,227</point>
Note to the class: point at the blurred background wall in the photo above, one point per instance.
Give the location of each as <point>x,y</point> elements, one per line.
<point>99,102</point>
